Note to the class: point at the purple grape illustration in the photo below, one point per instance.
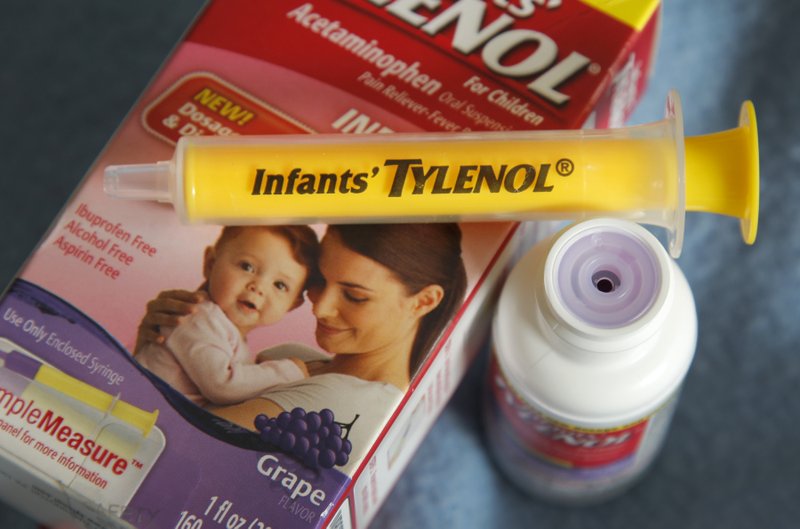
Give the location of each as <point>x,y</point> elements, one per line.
<point>315,438</point>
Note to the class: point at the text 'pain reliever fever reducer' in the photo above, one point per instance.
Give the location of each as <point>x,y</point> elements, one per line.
<point>648,173</point>
<point>594,333</point>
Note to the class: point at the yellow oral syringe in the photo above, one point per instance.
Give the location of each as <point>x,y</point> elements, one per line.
<point>647,173</point>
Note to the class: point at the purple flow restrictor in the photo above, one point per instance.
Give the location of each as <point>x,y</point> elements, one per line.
<point>606,276</point>
<point>20,363</point>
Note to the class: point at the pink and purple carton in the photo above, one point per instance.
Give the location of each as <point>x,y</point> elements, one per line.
<point>87,433</point>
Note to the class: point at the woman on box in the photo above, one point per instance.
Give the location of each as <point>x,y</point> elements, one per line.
<point>387,293</point>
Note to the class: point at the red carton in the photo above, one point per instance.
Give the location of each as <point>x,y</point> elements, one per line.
<point>179,435</point>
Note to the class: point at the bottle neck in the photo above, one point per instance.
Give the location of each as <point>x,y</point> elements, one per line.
<point>606,287</point>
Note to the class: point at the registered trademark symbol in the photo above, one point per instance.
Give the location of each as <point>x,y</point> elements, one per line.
<point>594,68</point>
<point>565,166</point>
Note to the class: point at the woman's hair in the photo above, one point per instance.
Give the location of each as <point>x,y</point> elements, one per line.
<point>302,240</point>
<point>419,255</point>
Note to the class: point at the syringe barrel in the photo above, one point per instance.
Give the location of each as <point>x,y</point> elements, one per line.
<point>412,177</point>
<point>635,173</point>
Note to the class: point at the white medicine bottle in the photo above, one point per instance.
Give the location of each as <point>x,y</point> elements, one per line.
<point>594,332</point>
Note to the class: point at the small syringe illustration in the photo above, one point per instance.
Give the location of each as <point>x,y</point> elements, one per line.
<point>70,386</point>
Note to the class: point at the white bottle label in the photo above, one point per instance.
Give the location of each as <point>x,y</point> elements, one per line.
<point>555,451</point>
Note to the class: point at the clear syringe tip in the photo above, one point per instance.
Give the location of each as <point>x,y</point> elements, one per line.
<point>147,181</point>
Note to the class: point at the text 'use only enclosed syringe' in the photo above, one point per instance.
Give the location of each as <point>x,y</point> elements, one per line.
<point>647,173</point>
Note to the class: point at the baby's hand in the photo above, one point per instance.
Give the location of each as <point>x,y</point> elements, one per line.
<point>302,365</point>
<point>292,350</point>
